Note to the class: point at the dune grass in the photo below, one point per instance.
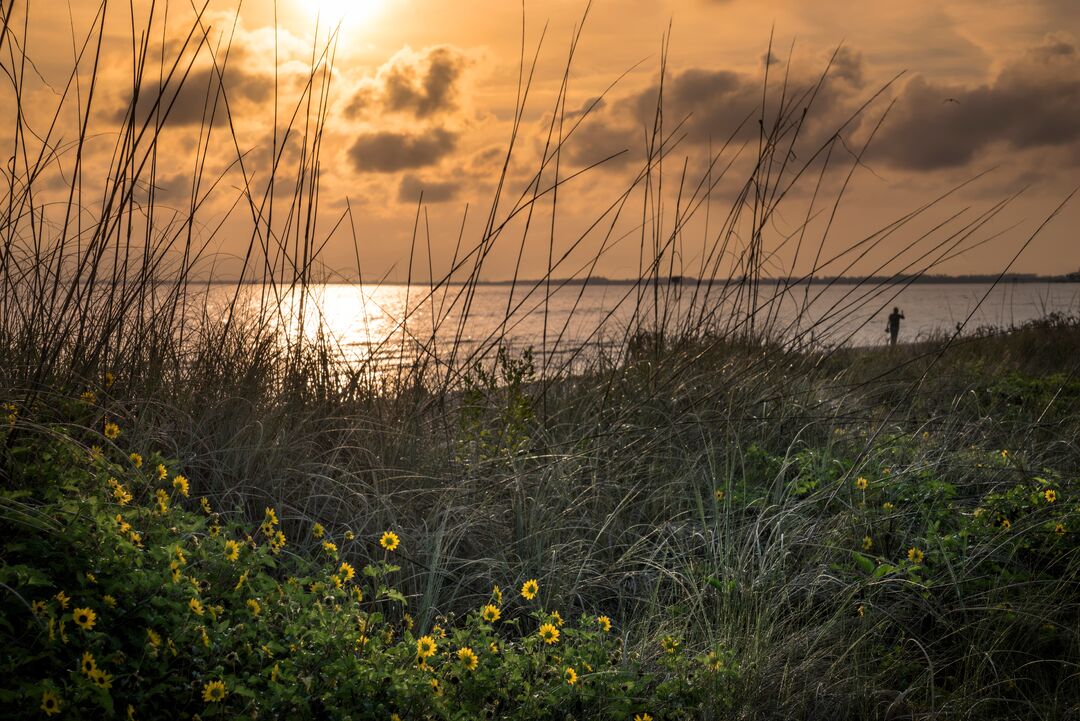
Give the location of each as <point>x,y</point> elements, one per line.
<point>861,534</point>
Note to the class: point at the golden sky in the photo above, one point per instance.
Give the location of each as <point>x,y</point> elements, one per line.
<point>420,96</point>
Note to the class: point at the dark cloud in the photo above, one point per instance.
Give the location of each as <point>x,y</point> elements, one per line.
<point>713,105</point>
<point>422,84</point>
<point>192,101</point>
<point>388,152</point>
<point>1034,102</point>
<point>433,191</point>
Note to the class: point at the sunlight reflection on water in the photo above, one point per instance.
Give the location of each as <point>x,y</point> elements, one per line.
<point>382,326</point>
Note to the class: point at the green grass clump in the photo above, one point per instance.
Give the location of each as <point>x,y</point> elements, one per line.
<point>127,594</point>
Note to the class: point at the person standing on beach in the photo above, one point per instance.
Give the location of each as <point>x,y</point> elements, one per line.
<point>893,328</point>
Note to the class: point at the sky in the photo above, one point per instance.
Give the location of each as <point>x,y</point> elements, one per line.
<point>898,129</point>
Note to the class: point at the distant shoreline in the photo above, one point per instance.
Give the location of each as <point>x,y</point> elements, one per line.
<point>683,280</point>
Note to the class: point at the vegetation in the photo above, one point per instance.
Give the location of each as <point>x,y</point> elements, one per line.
<point>773,527</point>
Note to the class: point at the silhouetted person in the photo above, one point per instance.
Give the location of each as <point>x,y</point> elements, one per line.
<point>893,327</point>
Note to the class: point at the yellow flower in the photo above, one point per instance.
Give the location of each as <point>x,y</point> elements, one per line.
<point>529,589</point>
<point>50,703</point>
<point>349,535</point>
<point>196,606</point>
<point>232,550</point>
<point>243,577</point>
<point>719,494</point>
<point>205,636</point>
<point>468,658</point>
<point>162,472</point>
<point>84,618</point>
<point>254,607</point>
<point>1006,523</point>
<point>389,541</point>
<point>275,672</point>
<point>549,633</point>
<point>102,679</point>
<point>205,503</point>
<point>277,542</point>
<point>336,580</point>
<point>317,530</point>
<point>109,379</point>
<point>88,397</point>
<point>425,647</point>
<point>136,459</point>
<point>915,555</point>
<point>213,692</point>
<point>347,571</point>
<point>270,517</point>
<point>407,619</point>
<point>491,613</point>
<point>109,600</point>
<point>867,543</point>
<point>1050,495</point>
<point>88,663</point>
<point>642,717</point>
<point>112,431</point>
<point>63,599</point>
<point>861,610</point>
<point>435,687</point>
<point>91,577</point>
<point>1059,529</point>
<point>571,675</point>
<point>329,547</point>
<point>496,593</point>
<point>438,631</point>
<point>162,501</point>
<point>394,717</point>
<point>153,638</point>
<point>605,623</point>
<point>38,607</point>
<point>181,484</point>
<point>861,483</point>
<point>122,495</point>
<point>669,643</point>
<point>1005,455</point>
<point>131,712</point>
<point>557,618</point>
<point>887,506</point>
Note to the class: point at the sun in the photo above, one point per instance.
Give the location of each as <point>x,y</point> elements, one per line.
<point>345,12</point>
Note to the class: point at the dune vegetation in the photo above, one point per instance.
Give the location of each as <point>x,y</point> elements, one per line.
<point>203,515</point>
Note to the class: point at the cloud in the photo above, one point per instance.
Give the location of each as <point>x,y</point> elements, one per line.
<point>192,101</point>
<point>1033,102</point>
<point>389,152</point>
<point>713,105</point>
<point>422,84</point>
<point>433,191</point>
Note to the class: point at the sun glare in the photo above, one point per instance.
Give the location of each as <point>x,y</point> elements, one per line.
<point>345,12</point>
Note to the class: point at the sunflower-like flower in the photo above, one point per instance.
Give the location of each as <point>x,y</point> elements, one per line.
<point>605,623</point>
<point>496,593</point>
<point>254,607</point>
<point>346,571</point>
<point>50,703</point>
<point>557,618</point>
<point>915,555</point>
<point>490,613</point>
<point>102,679</point>
<point>549,633</point>
<point>62,598</point>
<point>867,543</point>
<point>468,658</point>
<point>232,550</point>
<point>162,472</point>
<point>153,638</point>
<point>1050,495</point>
<point>570,675</point>
<point>196,606</point>
<point>670,644</point>
<point>181,484</point>
<point>529,589</point>
<point>214,692</point>
<point>389,540</point>
<point>426,647</point>
<point>136,459</point>
<point>318,531</point>
<point>88,664</point>
<point>112,431</point>
<point>861,483</point>
<point>642,717</point>
<point>84,618</point>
